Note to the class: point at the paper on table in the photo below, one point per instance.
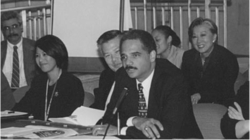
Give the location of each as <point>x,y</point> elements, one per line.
<point>87,116</point>
<point>35,132</point>
<point>68,120</point>
<point>9,113</point>
<point>91,137</point>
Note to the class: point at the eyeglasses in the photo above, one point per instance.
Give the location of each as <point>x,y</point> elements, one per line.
<point>13,27</point>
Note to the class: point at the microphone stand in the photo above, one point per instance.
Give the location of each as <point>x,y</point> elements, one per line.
<point>118,124</point>
<point>107,128</point>
<point>123,94</point>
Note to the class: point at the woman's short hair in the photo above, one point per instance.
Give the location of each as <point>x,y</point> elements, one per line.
<point>146,39</point>
<point>199,21</point>
<point>10,15</point>
<point>55,48</point>
<point>167,31</point>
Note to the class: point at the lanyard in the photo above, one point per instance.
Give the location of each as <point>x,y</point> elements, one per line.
<point>46,110</point>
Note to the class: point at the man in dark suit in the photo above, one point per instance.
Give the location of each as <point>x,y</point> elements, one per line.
<point>166,110</point>
<point>108,44</point>
<point>11,26</point>
<point>7,98</point>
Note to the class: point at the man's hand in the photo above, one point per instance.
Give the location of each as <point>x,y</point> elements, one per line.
<point>195,98</point>
<point>235,113</point>
<point>148,126</point>
<point>100,130</point>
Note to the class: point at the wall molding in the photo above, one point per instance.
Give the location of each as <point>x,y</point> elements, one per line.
<point>88,65</point>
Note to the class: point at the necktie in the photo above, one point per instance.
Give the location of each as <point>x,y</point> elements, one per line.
<point>15,69</point>
<point>142,108</point>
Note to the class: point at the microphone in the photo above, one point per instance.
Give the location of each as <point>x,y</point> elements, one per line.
<point>122,95</point>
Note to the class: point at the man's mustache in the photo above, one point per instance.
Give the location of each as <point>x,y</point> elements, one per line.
<point>12,35</point>
<point>130,67</point>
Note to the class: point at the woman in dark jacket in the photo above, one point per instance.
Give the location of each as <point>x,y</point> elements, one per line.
<point>55,92</point>
<point>210,69</point>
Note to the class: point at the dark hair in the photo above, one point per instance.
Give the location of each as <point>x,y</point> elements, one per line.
<point>10,15</point>
<point>167,31</point>
<point>105,37</point>
<point>146,39</point>
<point>55,48</point>
<point>199,21</point>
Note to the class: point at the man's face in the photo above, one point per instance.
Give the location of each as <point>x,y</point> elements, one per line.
<point>137,61</point>
<point>111,53</point>
<point>12,31</point>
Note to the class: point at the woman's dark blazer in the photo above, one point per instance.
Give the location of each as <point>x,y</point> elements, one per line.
<point>69,94</point>
<point>215,83</point>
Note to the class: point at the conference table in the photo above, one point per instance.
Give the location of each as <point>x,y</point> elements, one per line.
<point>23,121</point>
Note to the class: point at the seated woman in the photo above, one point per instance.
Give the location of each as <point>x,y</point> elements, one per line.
<point>210,69</point>
<point>168,44</point>
<point>55,92</point>
<point>235,123</point>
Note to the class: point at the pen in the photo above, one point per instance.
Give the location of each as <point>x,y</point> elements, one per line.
<point>10,112</point>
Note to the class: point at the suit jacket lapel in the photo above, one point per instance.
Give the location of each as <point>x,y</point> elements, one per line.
<point>133,97</point>
<point>3,52</point>
<point>154,94</point>
<point>27,52</point>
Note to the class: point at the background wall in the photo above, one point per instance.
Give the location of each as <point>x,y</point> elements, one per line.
<point>237,31</point>
<point>238,27</point>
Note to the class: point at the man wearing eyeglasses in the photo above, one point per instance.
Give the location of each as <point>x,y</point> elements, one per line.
<point>17,54</point>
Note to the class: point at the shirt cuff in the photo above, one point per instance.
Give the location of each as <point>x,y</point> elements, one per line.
<point>123,130</point>
<point>130,121</point>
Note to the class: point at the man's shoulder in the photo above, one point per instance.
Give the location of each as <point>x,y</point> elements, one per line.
<point>3,43</point>
<point>28,41</point>
<point>121,72</point>
<point>167,67</point>
<point>107,72</point>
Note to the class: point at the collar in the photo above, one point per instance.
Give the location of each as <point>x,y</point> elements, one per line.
<point>147,81</point>
<point>19,44</point>
<point>208,54</point>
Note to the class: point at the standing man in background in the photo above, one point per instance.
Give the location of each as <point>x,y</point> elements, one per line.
<point>17,54</point>
<point>109,46</point>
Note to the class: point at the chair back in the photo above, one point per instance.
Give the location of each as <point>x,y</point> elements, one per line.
<point>208,117</point>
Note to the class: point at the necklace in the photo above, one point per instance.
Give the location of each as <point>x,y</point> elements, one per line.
<point>47,109</point>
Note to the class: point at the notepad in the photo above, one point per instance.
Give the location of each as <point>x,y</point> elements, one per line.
<point>84,116</point>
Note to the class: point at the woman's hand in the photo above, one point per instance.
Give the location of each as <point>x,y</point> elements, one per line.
<point>235,113</point>
<point>195,98</point>
<point>148,126</point>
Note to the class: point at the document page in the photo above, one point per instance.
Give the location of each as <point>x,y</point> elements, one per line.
<point>9,113</point>
<point>81,116</point>
<point>87,116</point>
<point>33,132</point>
